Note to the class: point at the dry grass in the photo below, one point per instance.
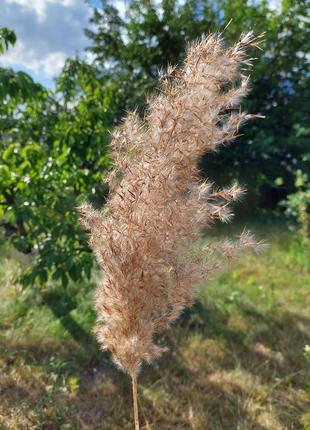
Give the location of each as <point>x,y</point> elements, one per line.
<point>236,361</point>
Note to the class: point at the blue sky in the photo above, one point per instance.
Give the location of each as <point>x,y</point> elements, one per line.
<point>48,31</point>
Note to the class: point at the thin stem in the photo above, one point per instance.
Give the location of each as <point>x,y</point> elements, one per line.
<point>135,401</point>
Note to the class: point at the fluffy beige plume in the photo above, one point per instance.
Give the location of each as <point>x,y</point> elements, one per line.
<point>157,207</point>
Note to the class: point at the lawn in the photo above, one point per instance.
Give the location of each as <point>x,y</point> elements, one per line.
<point>237,361</point>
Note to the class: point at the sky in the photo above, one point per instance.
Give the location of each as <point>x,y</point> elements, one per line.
<point>48,32</point>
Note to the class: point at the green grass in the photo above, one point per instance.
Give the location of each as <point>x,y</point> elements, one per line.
<point>237,360</point>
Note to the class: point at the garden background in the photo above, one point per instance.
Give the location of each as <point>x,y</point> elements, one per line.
<point>240,358</point>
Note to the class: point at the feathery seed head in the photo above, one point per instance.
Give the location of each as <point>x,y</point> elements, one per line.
<point>158,206</point>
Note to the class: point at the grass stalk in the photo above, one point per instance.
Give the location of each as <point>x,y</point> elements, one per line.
<point>135,400</point>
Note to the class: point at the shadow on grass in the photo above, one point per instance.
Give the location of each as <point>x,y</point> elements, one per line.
<point>61,307</point>
<point>253,378</point>
<point>220,374</point>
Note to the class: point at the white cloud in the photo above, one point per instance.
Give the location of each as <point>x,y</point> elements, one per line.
<point>39,6</point>
<point>48,31</point>
<point>48,65</point>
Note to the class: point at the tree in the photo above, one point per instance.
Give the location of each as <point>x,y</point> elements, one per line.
<point>55,144</point>
<point>53,152</point>
<point>132,49</point>
<point>13,84</point>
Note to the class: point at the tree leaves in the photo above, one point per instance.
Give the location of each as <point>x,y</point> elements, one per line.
<point>53,154</point>
<point>7,38</point>
<point>55,144</point>
<point>149,38</point>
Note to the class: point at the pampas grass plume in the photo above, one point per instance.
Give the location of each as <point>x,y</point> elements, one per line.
<point>145,236</point>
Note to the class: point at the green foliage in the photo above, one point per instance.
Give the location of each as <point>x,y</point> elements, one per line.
<point>17,84</point>
<point>7,37</point>
<point>298,204</point>
<point>13,84</point>
<point>133,49</point>
<point>53,154</point>
<point>54,144</point>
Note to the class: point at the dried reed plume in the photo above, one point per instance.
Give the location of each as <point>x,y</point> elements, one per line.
<point>144,237</point>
